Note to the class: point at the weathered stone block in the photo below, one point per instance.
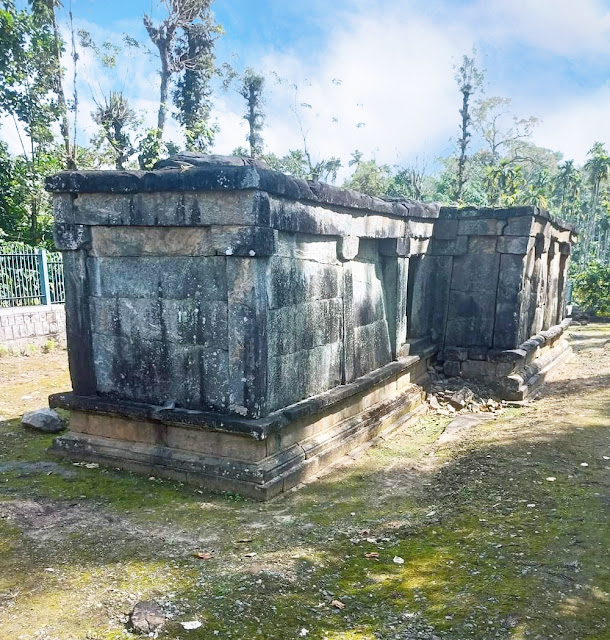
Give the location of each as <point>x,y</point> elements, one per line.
<point>292,281</point>
<point>482,244</point>
<point>347,247</point>
<point>247,332</point>
<point>303,246</point>
<point>161,374</point>
<point>147,277</point>
<point>70,237</point>
<point>429,284</point>
<point>477,272</point>
<point>301,374</point>
<point>509,355</point>
<point>505,368</point>
<point>452,368</point>
<point>454,247</point>
<point>454,353</point>
<point>470,322</point>
<point>419,229</point>
<point>182,241</point>
<point>480,227</point>
<point>520,226</point>
<point>477,353</point>
<point>169,209</point>
<point>445,229</point>
<point>63,208</point>
<point>515,244</point>
<point>508,308</point>
<point>372,347</point>
<point>305,326</point>
<point>478,369</point>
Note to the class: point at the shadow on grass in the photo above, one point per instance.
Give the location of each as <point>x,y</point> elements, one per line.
<point>576,386</point>
<point>490,549</point>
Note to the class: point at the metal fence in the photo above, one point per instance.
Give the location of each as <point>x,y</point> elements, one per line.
<point>31,277</point>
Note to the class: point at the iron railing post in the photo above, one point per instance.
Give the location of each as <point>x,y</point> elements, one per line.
<point>43,275</point>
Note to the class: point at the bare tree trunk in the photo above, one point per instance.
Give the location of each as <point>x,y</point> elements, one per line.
<point>463,146</point>
<point>64,125</point>
<point>252,123</point>
<point>164,94</point>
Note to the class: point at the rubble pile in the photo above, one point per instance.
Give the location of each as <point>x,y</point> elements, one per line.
<point>450,396</point>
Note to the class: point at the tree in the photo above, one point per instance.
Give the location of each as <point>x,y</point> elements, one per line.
<point>592,287</point>
<point>251,89</point>
<point>498,128</point>
<point>598,169</point>
<point>567,190</point>
<point>469,80</point>
<point>369,177</point>
<point>408,182</point>
<point>505,182</point>
<point>170,37</point>
<point>115,118</point>
<point>192,94</point>
<point>297,165</point>
<point>324,168</point>
<point>27,82</point>
<point>44,14</point>
<point>151,148</point>
<point>14,198</point>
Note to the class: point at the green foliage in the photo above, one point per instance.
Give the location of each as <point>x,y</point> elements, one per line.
<point>49,345</point>
<point>14,212</point>
<point>192,96</point>
<point>107,53</point>
<point>184,40</point>
<point>469,80</point>
<point>115,118</point>
<point>251,89</point>
<point>298,165</point>
<point>369,177</point>
<point>27,72</point>
<point>150,150</point>
<point>592,287</point>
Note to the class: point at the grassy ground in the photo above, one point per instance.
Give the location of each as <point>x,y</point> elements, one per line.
<point>502,529</point>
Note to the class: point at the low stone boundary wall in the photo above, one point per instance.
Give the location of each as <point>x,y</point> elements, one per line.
<point>22,326</point>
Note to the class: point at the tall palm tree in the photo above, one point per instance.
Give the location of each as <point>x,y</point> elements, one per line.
<point>598,169</point>
<point>568,183</point>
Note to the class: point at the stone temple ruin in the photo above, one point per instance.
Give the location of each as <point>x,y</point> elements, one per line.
<point>233,327</point>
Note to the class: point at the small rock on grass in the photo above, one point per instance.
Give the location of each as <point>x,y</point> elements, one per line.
<point>146,617</point>
<point>45,420</point>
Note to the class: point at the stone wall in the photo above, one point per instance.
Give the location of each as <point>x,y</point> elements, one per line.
<point>231,289</point>
<point>22,326</point>
<point>233,326</point>
<point>504,281</point>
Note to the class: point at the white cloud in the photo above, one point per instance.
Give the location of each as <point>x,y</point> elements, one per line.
<point>395,98</point>
<point>575,125</point>
<point>395,61</point>
<point>562,27</point>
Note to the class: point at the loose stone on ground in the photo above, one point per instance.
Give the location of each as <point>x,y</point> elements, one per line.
<point>147,617</point>
<point>45,420</point>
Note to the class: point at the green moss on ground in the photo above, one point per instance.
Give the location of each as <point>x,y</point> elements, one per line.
<point>492,547</point>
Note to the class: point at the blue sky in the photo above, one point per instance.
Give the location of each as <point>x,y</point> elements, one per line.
<point>397,99</point>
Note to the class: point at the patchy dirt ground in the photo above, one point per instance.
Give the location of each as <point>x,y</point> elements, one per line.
<point>499,529</point>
